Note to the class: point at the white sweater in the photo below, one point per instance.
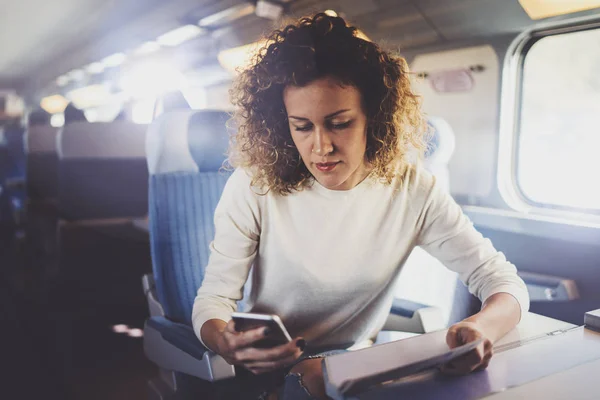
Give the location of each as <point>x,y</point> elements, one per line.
<point>327,261</point>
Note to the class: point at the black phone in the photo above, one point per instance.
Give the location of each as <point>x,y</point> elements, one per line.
<point>278,335</point>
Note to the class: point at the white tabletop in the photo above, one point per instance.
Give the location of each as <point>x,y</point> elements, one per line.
<point>538,348</point>
<point>580,382</point>
<point>516,369</point>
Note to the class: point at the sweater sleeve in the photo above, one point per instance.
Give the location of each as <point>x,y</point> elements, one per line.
<point>232,252</point>
<point>447,234</point>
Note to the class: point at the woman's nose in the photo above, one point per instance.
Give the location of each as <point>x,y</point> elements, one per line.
<point>322,144</point>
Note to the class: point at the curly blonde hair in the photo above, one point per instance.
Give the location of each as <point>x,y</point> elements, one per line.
<point>312,48</point>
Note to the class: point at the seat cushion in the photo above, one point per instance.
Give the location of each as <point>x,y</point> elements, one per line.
<point>179,335</point>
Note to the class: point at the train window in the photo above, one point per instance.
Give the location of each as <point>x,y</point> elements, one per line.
<point>559,127</point>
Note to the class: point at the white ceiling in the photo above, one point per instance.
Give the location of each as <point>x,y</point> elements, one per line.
<point>32,32</point>
<point>42,39</point>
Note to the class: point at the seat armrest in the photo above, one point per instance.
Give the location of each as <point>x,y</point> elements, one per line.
<point>175,347</point>
<point>592,320</point>
<point>409,316</point>
<point>543,287</point>
<point>154,306</point>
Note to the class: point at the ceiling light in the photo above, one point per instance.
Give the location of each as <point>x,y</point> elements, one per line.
<point>179,35</point>
<point>538,9</point>
<point>113,60</point>
<point>62,80</point>
<point>54,104</point>
<point>142,112</point>
<point>94,68</point>
<point>90,96</point>
<point>57,120</point>
<point>91,115</point>
<point>76,74</point>
<point>228,15</point>
<point>331,13</point>
<point>147,48</point>
<point>148,80</point>
<point>269,9</point>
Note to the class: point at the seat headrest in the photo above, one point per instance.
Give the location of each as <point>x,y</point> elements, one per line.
<point>441,143</point>
<point>208,139</point>
<point>187,141</point>
<point>41,139</point>
<point>118,139</point>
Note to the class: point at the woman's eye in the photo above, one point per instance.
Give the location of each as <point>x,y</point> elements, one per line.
<point>341,125</point>
<point>303,128</point>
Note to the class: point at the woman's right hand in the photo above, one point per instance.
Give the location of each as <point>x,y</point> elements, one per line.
<point>236,348</point>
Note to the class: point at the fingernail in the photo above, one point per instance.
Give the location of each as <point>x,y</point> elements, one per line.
<point>301,344</point>
<point>267,331</point>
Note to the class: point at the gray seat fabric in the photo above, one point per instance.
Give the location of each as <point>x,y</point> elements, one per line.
<point>42,162</point>
<point>102,171</point>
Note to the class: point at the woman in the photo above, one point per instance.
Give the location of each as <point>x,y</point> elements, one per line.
<point>326,205</point>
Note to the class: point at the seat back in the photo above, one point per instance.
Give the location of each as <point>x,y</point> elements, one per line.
<point>102,171</point>
<point>186,150</point>
<point>42,162</point>
<point>424,279</point>
<point>439,150</point>
<point>14,139</point>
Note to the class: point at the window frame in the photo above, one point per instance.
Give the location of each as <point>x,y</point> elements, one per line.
<point>510,122</point>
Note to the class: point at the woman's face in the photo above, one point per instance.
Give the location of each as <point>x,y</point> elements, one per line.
<point>329,128</point>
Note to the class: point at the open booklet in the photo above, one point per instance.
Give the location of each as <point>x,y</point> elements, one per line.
<point>355,371</point>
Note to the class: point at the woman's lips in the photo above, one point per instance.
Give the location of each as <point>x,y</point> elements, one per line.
<point>326,167</point>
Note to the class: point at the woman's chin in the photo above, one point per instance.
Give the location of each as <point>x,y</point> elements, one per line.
<point>330,181</point>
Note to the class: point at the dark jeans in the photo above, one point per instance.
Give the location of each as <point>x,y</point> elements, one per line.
<point>288,385</point>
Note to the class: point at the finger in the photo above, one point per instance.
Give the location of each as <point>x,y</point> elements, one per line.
<point>472,358</point>
<point>486,361</point>
<point>468,335</point>
<point>451,338</point>
<point>230,327</point>
<point>482,366</point>
<point>250,354</point>
<point>466,363</point>
<point>488,347</point>
<point>240,340</point>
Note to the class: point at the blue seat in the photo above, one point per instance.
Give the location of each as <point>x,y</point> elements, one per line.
<point>185,152</point>
<point>12,175</point>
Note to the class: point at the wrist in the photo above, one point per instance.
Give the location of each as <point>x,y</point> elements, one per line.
<point>212,335</point>
<point>219,342</point>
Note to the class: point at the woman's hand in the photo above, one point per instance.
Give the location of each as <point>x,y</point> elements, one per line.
<point>236,348</point>
<point>475,360</point>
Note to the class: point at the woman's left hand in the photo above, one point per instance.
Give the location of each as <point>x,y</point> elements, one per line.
<point>475,360</point>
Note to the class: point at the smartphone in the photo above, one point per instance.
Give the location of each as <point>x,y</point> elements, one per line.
<point>278,335</point>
